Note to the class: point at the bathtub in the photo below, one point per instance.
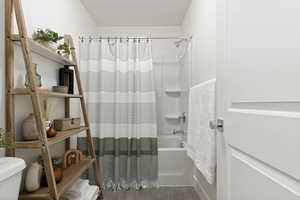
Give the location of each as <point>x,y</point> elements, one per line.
<point>175,167</point>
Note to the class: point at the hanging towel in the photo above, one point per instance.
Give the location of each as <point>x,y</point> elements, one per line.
<point>201,145</point>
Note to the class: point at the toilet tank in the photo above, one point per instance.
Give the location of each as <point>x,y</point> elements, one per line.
<point>10,177</point>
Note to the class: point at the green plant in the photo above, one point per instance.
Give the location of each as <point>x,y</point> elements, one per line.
<point>47,36</point>
<point>64,49</point>
<point>5,139</point>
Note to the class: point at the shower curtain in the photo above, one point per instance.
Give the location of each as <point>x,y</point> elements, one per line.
<point>117,77</point>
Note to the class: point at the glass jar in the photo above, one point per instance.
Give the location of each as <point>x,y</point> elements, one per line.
<point>36,76</point>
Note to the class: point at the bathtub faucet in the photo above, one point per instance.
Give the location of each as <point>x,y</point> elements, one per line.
<point>178,132</point>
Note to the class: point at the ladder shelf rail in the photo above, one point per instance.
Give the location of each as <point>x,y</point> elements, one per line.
<point>27,45</point>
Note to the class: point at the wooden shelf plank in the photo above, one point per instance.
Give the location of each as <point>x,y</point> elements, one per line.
<point>61,135</point>
<point>71,174</point>
<point>44,92</point>
<point>46,52</point>
<point>28,144</point>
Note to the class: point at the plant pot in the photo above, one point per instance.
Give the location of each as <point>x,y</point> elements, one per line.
<point>58,176</point>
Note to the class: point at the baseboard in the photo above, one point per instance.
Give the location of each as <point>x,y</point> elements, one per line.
<point>199,189</point>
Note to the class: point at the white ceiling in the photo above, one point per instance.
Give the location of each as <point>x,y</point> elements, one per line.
<point>137,12</point>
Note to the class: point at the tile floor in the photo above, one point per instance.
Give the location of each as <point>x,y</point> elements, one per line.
<point>163,193</point>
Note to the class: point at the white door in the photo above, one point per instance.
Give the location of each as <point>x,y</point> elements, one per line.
<point>258,96</point>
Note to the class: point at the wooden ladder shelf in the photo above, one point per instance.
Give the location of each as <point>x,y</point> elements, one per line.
<point>71,174</point>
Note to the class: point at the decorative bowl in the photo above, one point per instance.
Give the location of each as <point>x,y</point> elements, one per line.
<point>60,89</point>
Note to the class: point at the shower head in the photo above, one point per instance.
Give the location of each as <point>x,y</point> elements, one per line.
<point>185,40</point>
<point>178,43</point>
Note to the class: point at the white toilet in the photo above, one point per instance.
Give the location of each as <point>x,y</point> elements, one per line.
<point>10,177</point>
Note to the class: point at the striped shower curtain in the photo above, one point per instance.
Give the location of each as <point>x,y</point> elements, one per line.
<point>117,77</point>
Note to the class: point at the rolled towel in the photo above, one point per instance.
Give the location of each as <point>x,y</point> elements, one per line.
<point>70,196</point>
<point>79,185</point>
<point>77,191</point>
<point>95,197</point>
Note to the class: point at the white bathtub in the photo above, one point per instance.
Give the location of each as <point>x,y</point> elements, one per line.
<point>175,167</point>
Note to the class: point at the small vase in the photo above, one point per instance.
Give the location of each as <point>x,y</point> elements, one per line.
<point>33,177</point>
<point>36,76</point>
<point>29,128</point>
<point>58,176</point>
<point>51,132</point>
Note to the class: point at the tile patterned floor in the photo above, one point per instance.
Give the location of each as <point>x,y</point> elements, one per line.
<point>163,193</point>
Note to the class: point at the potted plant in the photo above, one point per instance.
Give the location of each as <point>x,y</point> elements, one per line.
<point>65,50</point>
<point>5,139</point>
<point>46,37</point>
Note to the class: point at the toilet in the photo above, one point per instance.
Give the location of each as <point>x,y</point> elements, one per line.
<point>10,177</point>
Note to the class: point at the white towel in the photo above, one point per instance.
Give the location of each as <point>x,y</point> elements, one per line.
<point>77,191</point>
<point>79,186</point>
<point>201,145</point>
<point>95,197</point>
<point>92,191</point>
<point>70,196</point>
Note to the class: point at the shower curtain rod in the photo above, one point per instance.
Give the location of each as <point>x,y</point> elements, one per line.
<point>116,37</point>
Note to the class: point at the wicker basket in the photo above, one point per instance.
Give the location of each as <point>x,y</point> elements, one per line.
<point>66,124</point>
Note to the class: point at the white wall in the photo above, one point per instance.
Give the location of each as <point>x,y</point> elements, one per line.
<point>68,16</point>
<point>154,31</point>
<point>200,22</point>
<point>65,17</point>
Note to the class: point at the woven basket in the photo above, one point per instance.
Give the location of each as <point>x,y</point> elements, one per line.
<point>66,124</point>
